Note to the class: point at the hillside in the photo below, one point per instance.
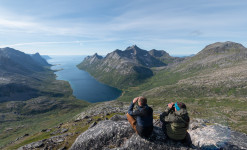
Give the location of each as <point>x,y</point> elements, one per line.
<point>216,71</point>
<point>164,56</point>
<point>30,96</point>
<point>41,59</point>
<point>213,84</point>
<point>104,126</point>
<point>126,68</point>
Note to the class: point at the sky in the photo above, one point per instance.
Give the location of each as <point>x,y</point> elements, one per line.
<point>84,27</point>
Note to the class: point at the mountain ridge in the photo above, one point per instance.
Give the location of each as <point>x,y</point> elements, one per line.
<point>126,68</point>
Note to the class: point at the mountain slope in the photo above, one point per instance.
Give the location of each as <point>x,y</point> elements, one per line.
<point>105,126</point>
<point>42,61</point>
<point>220,54</point>
<point>164,56</point>
<point>219,69</point>
<point>30,96</point>
<point>122,68</point>
<point>20,75</point>
<point>18,62</point>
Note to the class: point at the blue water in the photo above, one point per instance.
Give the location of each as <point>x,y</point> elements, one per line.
<point>84,86</point>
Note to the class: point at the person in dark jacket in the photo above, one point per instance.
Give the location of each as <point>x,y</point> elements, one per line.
<point>175,122</point>
<point>141,119</point>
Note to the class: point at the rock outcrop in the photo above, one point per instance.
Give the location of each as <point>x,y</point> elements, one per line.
<point>50,143</point>
<point>117,134</point>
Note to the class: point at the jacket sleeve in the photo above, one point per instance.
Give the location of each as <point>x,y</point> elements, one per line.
<point>135,113</point>
<point>165,113</point>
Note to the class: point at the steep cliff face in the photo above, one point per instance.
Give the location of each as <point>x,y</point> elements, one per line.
<point>123,68</point>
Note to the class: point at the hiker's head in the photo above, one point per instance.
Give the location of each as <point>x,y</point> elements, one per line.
<point>142,101</point>
<point>179,106</point>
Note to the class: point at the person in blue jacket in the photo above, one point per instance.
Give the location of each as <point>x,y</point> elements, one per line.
<point>141,119</point>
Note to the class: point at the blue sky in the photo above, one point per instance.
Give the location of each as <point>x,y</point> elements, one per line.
<point>80,27</point>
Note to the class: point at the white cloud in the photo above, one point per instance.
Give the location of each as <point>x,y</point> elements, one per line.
<point>41,43</point>
<point>157,23</point>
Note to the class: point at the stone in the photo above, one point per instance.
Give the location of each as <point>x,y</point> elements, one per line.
<point>63,130</point>
<point>118,117</point>
<point>43,130</point>
<point>50,143</point>
<point>218,137</point>
<point>86,117</point>
<point>8,129</point>
<point>38,144</point>
<point>92,125</point>
<point>59,131</point>
<point>77,120</point>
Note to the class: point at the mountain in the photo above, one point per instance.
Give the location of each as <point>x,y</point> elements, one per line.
<point>30,96</point>
<point>20,74</point>
<point>220,54</point>
<point>124,68</point>
<point>164,56</point>
<point>217,70</point>
<point>46,57</point>
<point>39,59</point>
<point>15,61</point>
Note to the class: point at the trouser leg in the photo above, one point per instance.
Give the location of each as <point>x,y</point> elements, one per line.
<point>187,140</point>
<point>132,121</point>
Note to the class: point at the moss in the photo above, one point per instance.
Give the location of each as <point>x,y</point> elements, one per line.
<point>30,139</point>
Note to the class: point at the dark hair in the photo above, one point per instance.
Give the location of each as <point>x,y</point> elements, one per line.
<point>181,105</point>
<point>143,100</point>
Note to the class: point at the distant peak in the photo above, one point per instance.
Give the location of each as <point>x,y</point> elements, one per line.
<point>223,47</point>
<point>7,48</point>
<point>37,54</point>
<point>97,56</point>
<point>226,44</point>
<point>133,47</point>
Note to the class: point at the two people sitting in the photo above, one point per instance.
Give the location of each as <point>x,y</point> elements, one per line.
<point>175,119</point>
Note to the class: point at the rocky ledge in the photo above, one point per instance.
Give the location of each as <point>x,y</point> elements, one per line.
<point>117,134</point>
